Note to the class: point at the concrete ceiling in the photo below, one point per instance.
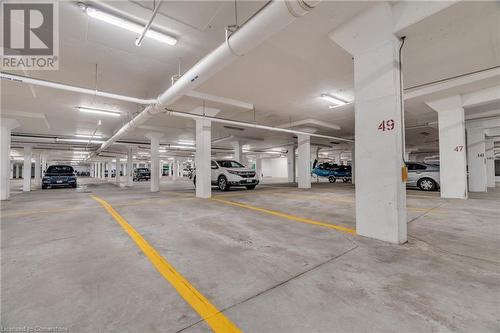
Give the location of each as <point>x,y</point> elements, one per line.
<point>283,77</point>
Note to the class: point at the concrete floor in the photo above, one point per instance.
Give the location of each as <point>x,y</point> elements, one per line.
<point>66,262</point>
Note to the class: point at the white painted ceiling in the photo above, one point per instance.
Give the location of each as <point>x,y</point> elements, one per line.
<point>283,77</point>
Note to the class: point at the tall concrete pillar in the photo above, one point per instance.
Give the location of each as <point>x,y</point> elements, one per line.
<point>203,158</point>
<point>476,159</point>
<point>110,169</point>
<point>18,170</point>
<point>304,160</point>
<point>170,169</point>
<point>353,165</point>
<point>490,162</point>
<point>155,160</point>
<point>160,171</point>
<point>44,162</point>
<point>118,170</point>
<point>38,170</point>
<point>258,166</point>
<point>379,127</point>
<point>179,168</point>
<point>290,163</point>
<point>452,152</point>
<point>27,169</point>
<point>175,169</point>
<point>6,127</point>
<point>239,156</point>
<point>130,167</point>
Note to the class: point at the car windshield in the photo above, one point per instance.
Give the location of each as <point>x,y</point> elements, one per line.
<point>230,164</point>
<point>60,169</point>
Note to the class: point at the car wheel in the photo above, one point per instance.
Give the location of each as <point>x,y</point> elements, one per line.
<point>44,187</point>
<point>345,180</point>
<point>74,186</point>
<point>222,183</point>
<point>426,184</point>
<point>332,179</point>
<point>251,187</point>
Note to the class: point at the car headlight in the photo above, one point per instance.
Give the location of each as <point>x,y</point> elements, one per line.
<point>233,172</point>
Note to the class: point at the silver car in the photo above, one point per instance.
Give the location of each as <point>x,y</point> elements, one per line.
<point>422,175</point>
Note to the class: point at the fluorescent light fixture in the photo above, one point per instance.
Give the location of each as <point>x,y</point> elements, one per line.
<point>180,147</point>
<point>98,111</point>
<point>185,142</point>
<point>88,136</point>
<point>79,140</point>
<point>335,100</point>
<point>129,25</point>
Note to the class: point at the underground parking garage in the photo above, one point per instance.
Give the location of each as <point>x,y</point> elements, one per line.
<point>250,166</point>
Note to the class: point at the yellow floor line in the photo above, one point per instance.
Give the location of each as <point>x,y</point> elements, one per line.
<point>213,317</point>
<point>288,216</point>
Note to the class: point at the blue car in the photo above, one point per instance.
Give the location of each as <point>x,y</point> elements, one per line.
<point>332,171</point>
<point>59,176</point>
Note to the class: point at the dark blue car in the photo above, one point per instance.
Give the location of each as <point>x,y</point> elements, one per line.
<point>59,176</point>
<point>333,171</point>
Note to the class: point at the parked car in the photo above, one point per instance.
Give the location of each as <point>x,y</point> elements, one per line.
<point>141,174</point>
<point>59,176</point>
<point>332,171</point>
<point>228,173</point>
<point>422,175</point>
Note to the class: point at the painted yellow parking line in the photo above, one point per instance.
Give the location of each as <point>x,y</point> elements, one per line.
<point>217,321</point>
<point>288,216</point>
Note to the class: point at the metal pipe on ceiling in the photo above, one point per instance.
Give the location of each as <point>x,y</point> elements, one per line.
<point>148,25</point>
<point>251,125</point>
<point>273,18</point>
<point>69,87</point>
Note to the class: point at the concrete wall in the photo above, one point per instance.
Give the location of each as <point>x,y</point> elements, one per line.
<point>275,167</point>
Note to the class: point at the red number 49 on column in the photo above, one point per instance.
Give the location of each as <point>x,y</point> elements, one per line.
<point>386,125</point>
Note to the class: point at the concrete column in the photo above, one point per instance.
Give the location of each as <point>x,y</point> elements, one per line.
<point>155,160</point>
<point>11,169</point>
<point>130,167</point>
<point>179,169</point>
<point>175,170</point>
<point>476,159</point>
<point>379,127</point>
<point>44,163</point>
<point>160,171</point>
<point>452,153</point>
<point>170,169</point>
<point>118,170</point>
<point>238,153</point>
<point>27,169</point>
<point>18,170</point>
<point>304,162</point>
<point>258,166</point>
<point>490,162</point>
<point>290,163</point>
<point>6,126</point>
<point>203,159</point>
<point>38,170</point>
<point>353,165</point>
<point>110,169</point>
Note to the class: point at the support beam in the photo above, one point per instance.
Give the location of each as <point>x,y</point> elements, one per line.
<point>304,163</point>
<point>175,169</point>
<point>290,163</point>
<point>130,168</point>
<point>6,126</point>
<point>38,170</point>
<point>452,152</point>
<point>490,162</point>
<point>476,159</point>
<point>202,159</point>
<point>118,170</point>
<point>110,169</point>
<point>27,169</point>
<point>379,127</point>
<point>155,160</point>
<point>258,167</point>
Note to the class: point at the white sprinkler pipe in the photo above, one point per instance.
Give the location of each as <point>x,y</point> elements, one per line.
<point>271,19</point>
<point>68,87</point>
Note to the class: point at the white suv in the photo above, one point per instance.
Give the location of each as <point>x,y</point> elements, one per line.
<point>227,173</point>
